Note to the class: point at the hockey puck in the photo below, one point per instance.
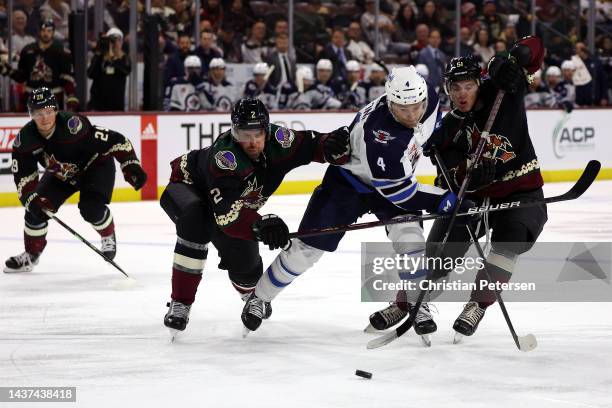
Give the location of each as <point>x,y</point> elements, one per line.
<point>364,374</point>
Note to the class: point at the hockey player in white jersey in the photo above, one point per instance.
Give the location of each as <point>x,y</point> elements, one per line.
<point>259,87</point>
<point>387,136</point>
<point>185,93</point>
<point>319,94</point>
<point>219,94</point>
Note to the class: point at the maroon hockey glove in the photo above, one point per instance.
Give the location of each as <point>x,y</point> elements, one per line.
<point>272,231</point>
<point>337,146</point>
<point>135,175</point>
<point>38,206</point>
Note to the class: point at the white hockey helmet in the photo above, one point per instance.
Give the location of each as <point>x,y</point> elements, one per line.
<point>405,86</point>
<point>325,64</point>
<point>216,63</point>
<point>353,66</point>
<point>261,68</point>
<point>115,32</point>
<point>553,70</point>
<point>568,64</point>
<point>192,61</point>
<point>422,70</point>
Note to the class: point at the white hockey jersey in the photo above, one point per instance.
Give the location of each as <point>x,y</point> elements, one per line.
<point>384,155</point>
<point>182,95</point>
<point>219,98</point>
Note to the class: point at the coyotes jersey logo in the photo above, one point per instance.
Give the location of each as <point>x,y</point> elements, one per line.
<point>498,147</point>
<point>251,196</point>
<point>62,171</point>
<point>41,71</point>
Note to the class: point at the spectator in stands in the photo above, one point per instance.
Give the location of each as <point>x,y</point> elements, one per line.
<point>109,69</point>
<point>482,47</point>
<point>175,64</point>
<point>255,49</point>
<point>509,35</point>
<point>229,43</point>
<point>20,37</point>
<point>422,40</point>
<point>590,79</point>
<point>491,19</point>
<point>360,49</point>
<point>58,11</point>
<point>500,46</point>
<point>207,51</point>
<point>434,59</point>
<point>605,55</point>
<point>212,11</point>
<point>32,11</point>
<point>375,85</point>
<point>336,52</point>
<point>466,44</point>
<point>469,17</point>
<point>564,92</point>
<point>385,29</point>
<point>219,94</point>
<point>284,65</point>
<point>238,16</point>
<point>431,18</point>
<point>166,17</point>
<point>422,70</point>
<point>406,23</point>
<point>183,15</point>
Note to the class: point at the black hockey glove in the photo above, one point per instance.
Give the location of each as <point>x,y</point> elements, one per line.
<point>506,74</point>
<point>483,173</point>
<point>38,206</point>
<point>272,231</point>
<point>337,146</point>
<point>135,175</point>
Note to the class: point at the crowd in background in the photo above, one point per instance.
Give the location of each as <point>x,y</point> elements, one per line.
<point>332,64</point>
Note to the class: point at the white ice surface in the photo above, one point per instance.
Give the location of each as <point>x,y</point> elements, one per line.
<point>65,325</point>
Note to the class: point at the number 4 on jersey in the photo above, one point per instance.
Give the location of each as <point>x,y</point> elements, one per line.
<point>381,163</point>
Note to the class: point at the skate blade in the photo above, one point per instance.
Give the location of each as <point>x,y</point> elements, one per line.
<point>19,270</point>
<point>173,334</point>
<point>426,339</point>
<point>245,332</point>
<point>458,338</point>
<point>370,329</point>
<point>527,343</point>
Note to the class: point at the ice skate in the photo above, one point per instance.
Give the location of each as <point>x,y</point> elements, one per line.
<point>424,324</point>
<point>253,312</point>
<point>386,318</point>
<point>109,246</point>
<point>467,322</point>
<point>23,262</point>
<point>177,317</point>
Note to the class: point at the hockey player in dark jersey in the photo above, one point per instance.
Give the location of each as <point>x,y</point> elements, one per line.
<point>45,63</point>
<point>215,193</point>
<point>386,140</point>
<point>76,156</point>
<point>509,169</point>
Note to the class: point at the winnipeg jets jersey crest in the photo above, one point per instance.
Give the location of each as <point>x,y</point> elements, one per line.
<point>219,97</point>
<point>182,95</point>
<point>384,153</point>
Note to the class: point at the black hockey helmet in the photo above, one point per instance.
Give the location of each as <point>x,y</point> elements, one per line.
<point>249,113</point>
<point>41,98</point>
<point>461,69</point>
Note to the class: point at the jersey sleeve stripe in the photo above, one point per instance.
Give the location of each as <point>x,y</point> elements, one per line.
<point>390,183</point>
<point>404,194</point>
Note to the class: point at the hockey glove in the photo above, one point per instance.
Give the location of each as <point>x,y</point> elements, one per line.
<point>449,202</point>
<point>483,173</point>
<point>135,175</point>
<point>337,146</point>
<point>506,74</point>
<point>39,206</point>
<point>272,231</point>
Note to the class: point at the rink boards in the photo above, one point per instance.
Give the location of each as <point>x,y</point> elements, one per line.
<point>563,142</point>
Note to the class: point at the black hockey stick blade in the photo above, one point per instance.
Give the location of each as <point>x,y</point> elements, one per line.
<point>587,178</point>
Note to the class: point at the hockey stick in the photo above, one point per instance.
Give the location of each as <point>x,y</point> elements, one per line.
<point>86,242</point>
<point>524,343</point>
<point>582,184</point>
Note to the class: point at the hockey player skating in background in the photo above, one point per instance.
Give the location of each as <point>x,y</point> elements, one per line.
<point>185,94</point>
<point>215,193</point>
<point>509,169</point>
<point>386,140</point>
<point>76,156</point>
<point>219,94</point>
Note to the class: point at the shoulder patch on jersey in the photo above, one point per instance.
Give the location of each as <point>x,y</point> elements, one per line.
<point>74,125</point>
<point>284,137</point>
<point>382,137</point>
<point>226,160</point>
